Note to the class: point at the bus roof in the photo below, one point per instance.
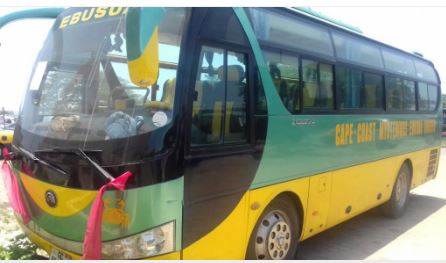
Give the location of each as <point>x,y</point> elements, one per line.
<point>315,14</point>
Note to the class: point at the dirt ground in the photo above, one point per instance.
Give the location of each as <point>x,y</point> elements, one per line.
<point>419,234</point>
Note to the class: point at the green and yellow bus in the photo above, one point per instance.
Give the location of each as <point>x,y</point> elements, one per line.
<point>247,130</point>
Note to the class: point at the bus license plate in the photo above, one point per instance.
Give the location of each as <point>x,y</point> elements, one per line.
<point>58,255</point>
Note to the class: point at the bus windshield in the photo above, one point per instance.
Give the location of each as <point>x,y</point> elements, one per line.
<point>81,90</point>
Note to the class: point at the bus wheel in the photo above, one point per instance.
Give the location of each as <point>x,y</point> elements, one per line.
<point>275,235</point>
<point>397,204</point>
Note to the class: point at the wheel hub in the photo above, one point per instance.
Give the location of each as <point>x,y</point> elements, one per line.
<point>401,189</point>
<point>273,237</point>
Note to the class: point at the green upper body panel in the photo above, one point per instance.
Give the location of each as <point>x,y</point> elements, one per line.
<point>303,145</point>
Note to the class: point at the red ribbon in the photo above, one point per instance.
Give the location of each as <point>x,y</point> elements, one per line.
<point>13,189</point>
<point>93,233</point>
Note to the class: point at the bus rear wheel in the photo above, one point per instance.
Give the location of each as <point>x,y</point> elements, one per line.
<point>397,204</point>
<point>275,235</point>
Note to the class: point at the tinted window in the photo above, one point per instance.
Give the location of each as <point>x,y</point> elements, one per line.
<point>326,86</point>
<point>290,32</point>
<point>318,84</point>
<point>400,94</point>
<point>398,63</point>
<point>219,111</point>
<point>311,85</point>
<point>349,86</point>
<point>423,97</point>
<point>372,91</point>
<point>284,71</point>
<point>236,97</point>
<point>425,71</point>
<point>357,51</point>
<point>207,114</point>
<point>222,24</point>
<point>409,95</point>
<point>433,96</point>
<point>394,93</point>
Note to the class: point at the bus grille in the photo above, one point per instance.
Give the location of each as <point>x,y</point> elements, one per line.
<point>433,158</point>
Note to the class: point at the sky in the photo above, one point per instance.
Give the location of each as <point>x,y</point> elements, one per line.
<point>417,28</point>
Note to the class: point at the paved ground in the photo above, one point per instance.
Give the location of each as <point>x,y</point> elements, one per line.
<point>419,234</point>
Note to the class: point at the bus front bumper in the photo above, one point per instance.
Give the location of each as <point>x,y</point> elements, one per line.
<point>53,245</point>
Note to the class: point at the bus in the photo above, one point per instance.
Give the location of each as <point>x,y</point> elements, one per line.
<point>215,133</point>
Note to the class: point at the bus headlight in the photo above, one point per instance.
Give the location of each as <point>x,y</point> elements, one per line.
<point>156,241</point>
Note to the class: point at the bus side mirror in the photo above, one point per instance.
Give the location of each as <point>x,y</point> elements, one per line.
<point>142,44</point>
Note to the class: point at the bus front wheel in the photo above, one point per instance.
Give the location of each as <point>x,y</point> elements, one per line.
<point>397,204</point>
<point>276,233</point>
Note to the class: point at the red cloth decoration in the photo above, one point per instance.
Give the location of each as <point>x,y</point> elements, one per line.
<point>13,189</point>
<point>93,233</point>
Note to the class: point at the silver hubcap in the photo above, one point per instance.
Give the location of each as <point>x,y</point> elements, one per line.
<point>401,189</point>
<point>273,239</point>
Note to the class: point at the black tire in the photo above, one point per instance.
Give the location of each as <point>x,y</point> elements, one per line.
<point>397,204</point>
<point>276,234</point>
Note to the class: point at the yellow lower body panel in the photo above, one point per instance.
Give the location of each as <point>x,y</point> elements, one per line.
<point>327,199</point>
<point>359,188</point>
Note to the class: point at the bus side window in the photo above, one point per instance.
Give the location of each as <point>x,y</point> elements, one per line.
<point>394,93</point>
<point>423,97</point>
<point>284,71</point>
<point>371,92</point>
<point>326,86</point>
<point>433,97</point>
<point>409,95</point>
<point>311,85</point>
<point>318,85</point>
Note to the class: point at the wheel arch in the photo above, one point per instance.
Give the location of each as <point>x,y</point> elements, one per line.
<point>295,202</point>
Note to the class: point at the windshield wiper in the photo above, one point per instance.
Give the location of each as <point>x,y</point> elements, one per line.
<point>32,157</point>
<point>80,153</point>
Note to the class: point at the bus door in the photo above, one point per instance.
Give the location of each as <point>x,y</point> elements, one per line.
<point>221,164</point>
